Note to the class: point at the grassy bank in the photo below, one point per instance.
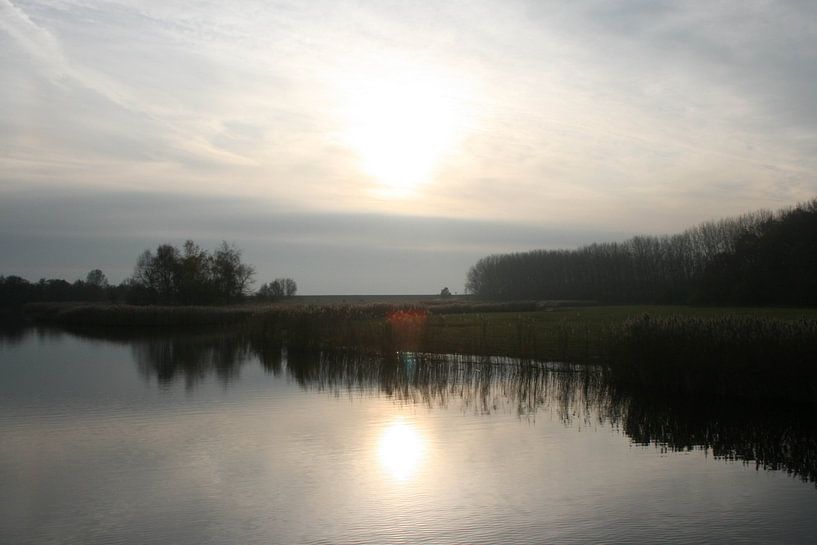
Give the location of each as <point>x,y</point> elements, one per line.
<point>750,356</point>
<point>539,330</point>
<point>95,315</point>
<point>339,308</point>
<point>755,352</point>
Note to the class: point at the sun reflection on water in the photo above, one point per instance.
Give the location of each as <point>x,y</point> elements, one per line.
<point>401,450</point>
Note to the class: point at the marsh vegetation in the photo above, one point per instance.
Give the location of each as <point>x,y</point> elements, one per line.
<point>742,351</point>
<point>770,433</point>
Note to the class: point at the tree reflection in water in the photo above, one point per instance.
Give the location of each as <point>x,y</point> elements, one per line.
<point>772,435</point>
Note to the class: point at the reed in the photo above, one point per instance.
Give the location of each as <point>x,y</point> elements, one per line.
<point>677,350</point>
<point>728,355</point>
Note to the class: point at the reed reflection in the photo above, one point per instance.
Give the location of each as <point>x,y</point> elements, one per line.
<point>769,434</point>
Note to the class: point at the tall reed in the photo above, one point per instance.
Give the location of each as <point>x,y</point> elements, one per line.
<point>729,355</point>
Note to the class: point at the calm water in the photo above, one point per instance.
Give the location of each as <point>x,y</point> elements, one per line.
<point>221,439</point>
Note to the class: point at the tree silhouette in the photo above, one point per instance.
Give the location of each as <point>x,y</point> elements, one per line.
<point>278,288</point>
<point>757,258</point>
<point>97,279</point>
<point>190,276</point>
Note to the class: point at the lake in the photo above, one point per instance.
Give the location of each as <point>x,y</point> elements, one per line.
<point>216,437</point>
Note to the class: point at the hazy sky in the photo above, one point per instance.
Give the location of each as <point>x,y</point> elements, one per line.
<point>377,147</point>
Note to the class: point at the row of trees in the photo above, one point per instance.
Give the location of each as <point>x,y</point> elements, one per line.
<point>168,275</point>
<point>777,264</point>
<point>759,257</point>
<point>191,275</point>
<point>280,287</point>
<point>15,290</point>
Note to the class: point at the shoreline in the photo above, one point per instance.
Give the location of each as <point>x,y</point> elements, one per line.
<point>749,352</point>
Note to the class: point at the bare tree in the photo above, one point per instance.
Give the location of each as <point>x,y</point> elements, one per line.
<point>191,276</point>
<point>231,278</point>
<point>657,269</point>
<point>278,288</point>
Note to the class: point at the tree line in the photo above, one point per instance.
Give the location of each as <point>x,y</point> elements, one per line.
<point>15,290</point>
<point>761,257</point>
<point>168,276</point>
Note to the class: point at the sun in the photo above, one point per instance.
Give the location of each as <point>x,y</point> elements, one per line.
<point>400,450</point>
<point>401,126</point>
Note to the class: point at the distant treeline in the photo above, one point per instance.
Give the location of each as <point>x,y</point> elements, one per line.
<point>168,276</point>
<point>15,290</point>
<point>758,258</point>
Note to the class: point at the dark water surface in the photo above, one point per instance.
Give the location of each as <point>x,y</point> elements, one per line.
<point>216,438</point>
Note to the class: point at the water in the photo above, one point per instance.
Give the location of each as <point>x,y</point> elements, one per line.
<point>216,438</point>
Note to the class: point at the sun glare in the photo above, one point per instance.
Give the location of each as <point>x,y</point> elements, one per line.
<point>401,449</point>
<point>401,127</point>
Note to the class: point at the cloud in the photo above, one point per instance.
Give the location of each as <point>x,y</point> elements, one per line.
<point>67,235</point>
<point>34,40</point>
<point>629,116</point>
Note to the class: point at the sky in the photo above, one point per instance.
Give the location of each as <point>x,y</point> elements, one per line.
<point>384,146</point>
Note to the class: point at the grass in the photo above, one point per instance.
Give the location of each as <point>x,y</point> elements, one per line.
<point>95,314</point>
<point>520,329</point>
<point>755,352</point>
<point>565,334</point>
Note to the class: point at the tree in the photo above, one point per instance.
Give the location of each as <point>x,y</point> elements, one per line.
<point>15,290</point>
<point>756,258</point>
<point>155,274</point>
<point>278,288</point>
<point>193,275</point>
<point>445,292</point>
<point>96,279</point>
<point>165,265</point>
<point>190,276</point>
<point>143,272</point>
<point>265,291</point>
<point>231,278</point>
